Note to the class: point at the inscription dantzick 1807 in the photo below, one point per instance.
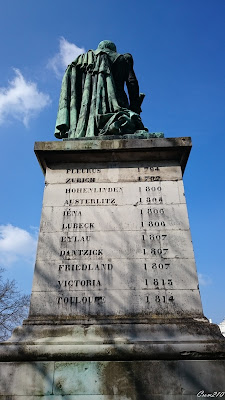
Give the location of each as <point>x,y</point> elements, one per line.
<point>115,236</point>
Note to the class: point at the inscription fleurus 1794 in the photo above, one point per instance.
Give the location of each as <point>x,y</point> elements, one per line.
<point>120,239</point>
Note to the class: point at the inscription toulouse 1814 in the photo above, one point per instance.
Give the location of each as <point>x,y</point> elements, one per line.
<point>119,240</point>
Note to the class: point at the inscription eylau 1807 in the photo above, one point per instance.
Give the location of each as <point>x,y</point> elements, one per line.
<point>79,269</point>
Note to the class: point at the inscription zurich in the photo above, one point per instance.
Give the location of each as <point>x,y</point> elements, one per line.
<point>80,180</point>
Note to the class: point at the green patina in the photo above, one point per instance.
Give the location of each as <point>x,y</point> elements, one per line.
<point>93,101</point>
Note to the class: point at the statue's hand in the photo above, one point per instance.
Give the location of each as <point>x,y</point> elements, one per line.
<point>61,135</point>
<point>64,135</point>
<point>62,132</point>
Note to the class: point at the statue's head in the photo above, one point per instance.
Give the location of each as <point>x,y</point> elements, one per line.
<point>107,44</point>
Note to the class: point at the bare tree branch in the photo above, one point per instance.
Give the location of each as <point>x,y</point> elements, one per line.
<point>14,306</point>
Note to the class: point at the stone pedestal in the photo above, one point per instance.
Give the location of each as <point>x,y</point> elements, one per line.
<point>115,308</point>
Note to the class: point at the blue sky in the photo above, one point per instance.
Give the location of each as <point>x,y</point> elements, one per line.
<point>179,58</point>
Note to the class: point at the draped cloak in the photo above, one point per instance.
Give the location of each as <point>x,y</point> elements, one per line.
<point>89,103</point>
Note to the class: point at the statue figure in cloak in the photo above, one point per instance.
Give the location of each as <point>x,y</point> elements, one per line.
<point>93,101</point>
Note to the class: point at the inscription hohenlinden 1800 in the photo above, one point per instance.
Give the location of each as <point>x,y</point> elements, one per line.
<point>115,241</point>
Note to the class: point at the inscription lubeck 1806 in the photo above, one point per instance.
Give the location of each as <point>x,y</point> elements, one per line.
<point>117,244</point>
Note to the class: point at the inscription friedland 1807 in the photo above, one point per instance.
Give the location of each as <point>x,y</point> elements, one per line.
<point>97,239</point>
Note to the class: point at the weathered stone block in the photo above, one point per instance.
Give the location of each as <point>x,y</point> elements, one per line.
<point>115,308</point>
<point>26,379</point>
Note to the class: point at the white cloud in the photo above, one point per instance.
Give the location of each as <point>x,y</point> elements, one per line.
<point>204,280</point>
<point>16,244</point>
<point>67,53</point>
<point>21,99</point>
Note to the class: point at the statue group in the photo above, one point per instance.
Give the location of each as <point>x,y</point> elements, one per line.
<point>93,101</point>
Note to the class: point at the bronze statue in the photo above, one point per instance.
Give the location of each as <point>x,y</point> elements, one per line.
<point>93,101</point>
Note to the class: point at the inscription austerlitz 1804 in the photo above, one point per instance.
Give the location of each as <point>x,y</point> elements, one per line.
<point>119,237</point>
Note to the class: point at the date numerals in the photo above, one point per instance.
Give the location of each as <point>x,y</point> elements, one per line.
<point>160,299</point>
<point>154,200</point>
<point>153,189</point>
<point>154,237</point>
<point>159,282</point>
<point>148,178</point>
<point>154,224</point>
<point>160,266</point>
<point>156,252</point>
<point>156,211</point>
<point>147,169</point>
